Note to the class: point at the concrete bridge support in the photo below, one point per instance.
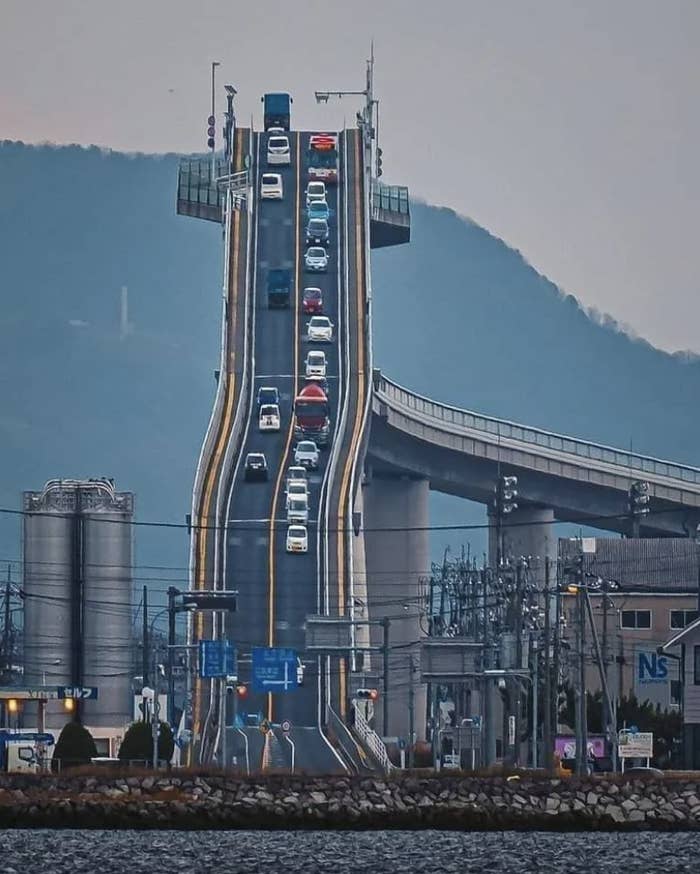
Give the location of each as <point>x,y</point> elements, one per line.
<point>398,563</point>
<point>529,532</point>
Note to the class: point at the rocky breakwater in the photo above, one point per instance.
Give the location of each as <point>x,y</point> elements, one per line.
<point>182,800</point>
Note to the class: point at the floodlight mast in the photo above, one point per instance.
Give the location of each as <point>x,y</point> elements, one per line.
<point>366,117</point>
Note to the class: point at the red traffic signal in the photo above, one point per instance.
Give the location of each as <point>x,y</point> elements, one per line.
<point>242,690</point>
<point>367,694</point>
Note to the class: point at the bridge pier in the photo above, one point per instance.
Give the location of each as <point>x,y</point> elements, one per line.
<point>397,561</point>
<point>529,532</point>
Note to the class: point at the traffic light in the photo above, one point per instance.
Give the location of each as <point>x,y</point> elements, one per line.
<point>379,163</point>
<point>506,492</point>
<point>639,498</point>
<point>367,694</point>
<point>69,704</point>
<point>211,132</point>
<point>242,690</point>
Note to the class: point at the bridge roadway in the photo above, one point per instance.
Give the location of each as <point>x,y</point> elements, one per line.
<point>458,452</point>
<point>277,590</point>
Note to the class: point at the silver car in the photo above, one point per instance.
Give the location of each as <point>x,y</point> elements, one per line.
<point>316,259</point>
<point>306,454</point>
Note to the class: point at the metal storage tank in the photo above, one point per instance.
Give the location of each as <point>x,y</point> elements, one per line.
<point>78,595</point>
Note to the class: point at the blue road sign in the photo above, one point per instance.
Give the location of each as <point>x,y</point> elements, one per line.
<point>77,692</point>
<point>217,658</point>
<point>274,669</point>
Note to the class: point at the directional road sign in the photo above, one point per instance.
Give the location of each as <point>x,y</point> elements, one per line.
<point>77,692</point>
<point>274,669</point>
<point>217,658</point>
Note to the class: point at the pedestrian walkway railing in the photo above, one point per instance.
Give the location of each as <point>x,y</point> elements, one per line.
<point>372,741</point>
<point>454,418</point>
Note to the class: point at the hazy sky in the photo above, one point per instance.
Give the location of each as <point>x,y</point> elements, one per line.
<point>567,127</point>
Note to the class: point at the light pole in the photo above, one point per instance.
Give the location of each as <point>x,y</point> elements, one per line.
<point>214,65</point>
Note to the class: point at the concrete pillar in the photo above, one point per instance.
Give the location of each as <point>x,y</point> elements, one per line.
<point>529,532</point>
<point>398,564</point>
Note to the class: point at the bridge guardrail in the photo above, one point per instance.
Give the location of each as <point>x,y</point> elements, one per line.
<point>535,436</point>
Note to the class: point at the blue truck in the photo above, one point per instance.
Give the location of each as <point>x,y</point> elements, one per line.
<point>279,288</point>
<point>276,110</point>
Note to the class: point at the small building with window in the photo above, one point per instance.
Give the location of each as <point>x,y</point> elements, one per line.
<point>685,646</point>
<point>642,593</point>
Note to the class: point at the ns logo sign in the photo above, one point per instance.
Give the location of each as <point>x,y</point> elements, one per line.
<point>652,667</point>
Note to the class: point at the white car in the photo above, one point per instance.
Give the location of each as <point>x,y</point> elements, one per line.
<point>298,510</point>
<point>315,363</point>
<point>269,418</point>
<point>320,329</point>
<point>297,488</point>
<point>278,151</point>
<point>306,454</point>
<point>297,539</point>
<point>316,259</point>
<point>271,186</point>
<point>296,473</point>
<point>315,191</point>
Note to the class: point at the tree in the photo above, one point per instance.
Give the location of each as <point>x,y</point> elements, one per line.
<point>75,746</point>
<point>138,743</point>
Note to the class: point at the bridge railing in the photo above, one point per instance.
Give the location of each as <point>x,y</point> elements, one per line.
<point>372,741</point>
<point>503,429</point>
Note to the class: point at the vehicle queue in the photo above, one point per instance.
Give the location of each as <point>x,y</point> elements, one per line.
<point>319,329</point>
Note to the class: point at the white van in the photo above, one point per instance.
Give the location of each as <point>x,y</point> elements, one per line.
<point>278,151</point>
<point>298,509</point>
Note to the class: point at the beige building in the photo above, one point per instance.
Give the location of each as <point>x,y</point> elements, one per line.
<point>643,593</point>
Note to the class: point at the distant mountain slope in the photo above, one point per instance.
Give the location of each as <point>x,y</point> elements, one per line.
<point>458,315</point>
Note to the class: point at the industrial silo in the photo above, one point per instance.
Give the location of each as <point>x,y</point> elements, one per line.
<point>78,595</point>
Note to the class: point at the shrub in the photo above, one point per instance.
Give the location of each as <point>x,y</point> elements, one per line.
<point>138,743</point>
<point>75,746</point>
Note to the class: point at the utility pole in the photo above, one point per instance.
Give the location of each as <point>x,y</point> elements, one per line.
<point>547,727</point>
<point>411,713</point>
<point>172,593</point>
<point>518,658</point>
<point>487,684</point>
<point>582,733</point>
<point>556,656</point>
<point>386,623</point>
<point>535,716</point>
<point>145,636</point>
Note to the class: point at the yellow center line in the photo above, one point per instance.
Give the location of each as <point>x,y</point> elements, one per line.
<point>359,409</point>
<point>290,432</point>
<point>213,468</point>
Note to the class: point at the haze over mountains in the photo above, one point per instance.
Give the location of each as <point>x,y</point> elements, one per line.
<point>458,315</point>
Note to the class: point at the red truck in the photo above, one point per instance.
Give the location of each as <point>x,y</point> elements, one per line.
<point>323,158</point>
<point>312,415</point>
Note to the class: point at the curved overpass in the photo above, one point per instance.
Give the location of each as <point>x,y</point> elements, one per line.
<point>459,451</point>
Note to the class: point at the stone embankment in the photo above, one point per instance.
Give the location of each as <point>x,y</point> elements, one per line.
<point>182,800</point>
